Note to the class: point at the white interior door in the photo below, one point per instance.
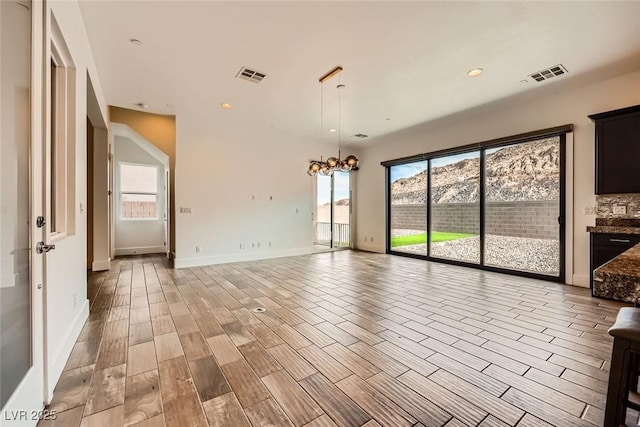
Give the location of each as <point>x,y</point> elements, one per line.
<point>21,273</point>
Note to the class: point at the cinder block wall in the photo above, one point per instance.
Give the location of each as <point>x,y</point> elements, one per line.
<point>536,219</point>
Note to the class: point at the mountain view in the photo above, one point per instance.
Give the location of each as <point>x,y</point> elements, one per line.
<point>528,171</point>
<point>341,202</point>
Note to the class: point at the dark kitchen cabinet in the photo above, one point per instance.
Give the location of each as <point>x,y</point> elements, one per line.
<point>617,151</point>
<point>605,247</point>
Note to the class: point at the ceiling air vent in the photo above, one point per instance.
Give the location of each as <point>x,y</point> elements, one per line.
<point>250,75</point>
<point>548,73</point>
<point>360,135</point>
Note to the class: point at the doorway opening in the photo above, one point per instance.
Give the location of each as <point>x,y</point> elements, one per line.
<point>332,213</point>
<point>141,196</point>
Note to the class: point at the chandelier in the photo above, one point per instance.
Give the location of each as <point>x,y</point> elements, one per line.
<point>332,164</point>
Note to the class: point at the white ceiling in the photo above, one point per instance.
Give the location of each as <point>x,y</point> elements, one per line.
<point>405,63</point>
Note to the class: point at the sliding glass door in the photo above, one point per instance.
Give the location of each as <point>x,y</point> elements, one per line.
<point>498,206</point>
<point>522,209</point>
<point>322,217</point>
<point>408,209</point>
<point>341,210</point>
<point>333,211</point>
<point>455,207</point>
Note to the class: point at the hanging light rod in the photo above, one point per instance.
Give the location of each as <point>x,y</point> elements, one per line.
<point>327,167</point>
<point>330,74</point>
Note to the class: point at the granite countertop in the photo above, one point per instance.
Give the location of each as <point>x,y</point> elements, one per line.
<point>614,229</point>
<point>619,279</point>
<point>616,226</point>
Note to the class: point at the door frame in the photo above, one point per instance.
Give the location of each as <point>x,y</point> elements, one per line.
<point>125,131</point>
<point>332,212</point>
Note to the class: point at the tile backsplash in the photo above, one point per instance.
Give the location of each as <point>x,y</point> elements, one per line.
<point>607,204</point>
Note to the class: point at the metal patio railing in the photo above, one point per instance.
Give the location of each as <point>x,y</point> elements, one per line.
<point>341,234</point>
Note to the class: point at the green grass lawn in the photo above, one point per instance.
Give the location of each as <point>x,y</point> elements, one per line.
<point>436,236</point>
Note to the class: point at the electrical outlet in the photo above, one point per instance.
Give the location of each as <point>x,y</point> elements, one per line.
<point>620,209</point>
<point>371,239</point>
<point>197,249</point>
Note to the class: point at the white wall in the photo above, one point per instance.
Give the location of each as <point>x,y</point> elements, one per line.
<point>66,282</point>
<point>138,236</point>
<point>101,217</point>
<point>226,175</point>
<point>571,106</point>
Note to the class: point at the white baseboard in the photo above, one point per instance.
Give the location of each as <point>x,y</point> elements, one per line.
<point>238,257</point>
<point>101,265</point>
<point>371,248</point>
<point>141,250</point>
<point>582,280</point>
<point>59,360</point>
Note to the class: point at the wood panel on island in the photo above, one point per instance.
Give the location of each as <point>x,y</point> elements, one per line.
<point>615,239</point>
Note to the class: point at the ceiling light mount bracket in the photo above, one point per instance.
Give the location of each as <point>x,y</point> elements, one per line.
<point>335,71</point>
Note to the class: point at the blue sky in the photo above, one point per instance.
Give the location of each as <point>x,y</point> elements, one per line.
<point>407,170</point>
<point>341,187</point>
<point>410,169</point>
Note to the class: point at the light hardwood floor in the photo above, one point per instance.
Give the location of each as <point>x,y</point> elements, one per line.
<point>348,339</point>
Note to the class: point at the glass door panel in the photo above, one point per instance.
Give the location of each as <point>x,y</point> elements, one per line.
<point>455,207</point>
<point>15,282</point>
<point>341,210</point>
<point>522,207</point>
<point>322,223</point>
<point>408,207</point>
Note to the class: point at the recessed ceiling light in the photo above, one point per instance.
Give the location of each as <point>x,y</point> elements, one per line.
<point>332,130</point>
<point>225,105</point>
<point>135,41</point>
<point>475,72</point>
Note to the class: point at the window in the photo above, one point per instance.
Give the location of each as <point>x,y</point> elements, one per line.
<point>138,191</point>
<point>61,149</point>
